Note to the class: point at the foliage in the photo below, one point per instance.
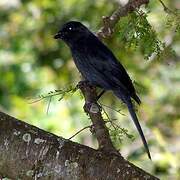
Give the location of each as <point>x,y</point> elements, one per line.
<point>135,31</point>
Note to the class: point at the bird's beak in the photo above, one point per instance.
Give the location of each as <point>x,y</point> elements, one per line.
<point>58,35</point>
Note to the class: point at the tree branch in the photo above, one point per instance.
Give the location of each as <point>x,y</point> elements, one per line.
<point>92,108</point>
<point>110,22</point>
<point>166,9</point>
<point>27,153</point>
<point>86,127</point>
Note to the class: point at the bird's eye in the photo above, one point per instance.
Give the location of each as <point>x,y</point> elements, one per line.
<point>70,28</point>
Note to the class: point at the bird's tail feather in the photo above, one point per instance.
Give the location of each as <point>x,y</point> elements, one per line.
<point>137,99</point>
<point>138,126</point>
<point>129,104</point>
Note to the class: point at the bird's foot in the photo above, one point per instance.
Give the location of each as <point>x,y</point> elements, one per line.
<point>84,83</point>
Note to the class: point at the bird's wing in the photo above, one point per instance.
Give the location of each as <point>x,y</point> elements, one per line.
<point>108,67</point>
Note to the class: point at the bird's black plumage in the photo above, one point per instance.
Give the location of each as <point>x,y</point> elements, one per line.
<point>99,66</point>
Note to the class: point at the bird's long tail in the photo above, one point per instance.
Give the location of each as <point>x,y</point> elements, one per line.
<point>129,104</point>
<point>138,126</point>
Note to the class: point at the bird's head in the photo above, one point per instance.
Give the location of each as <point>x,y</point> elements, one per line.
<point>72,31</point>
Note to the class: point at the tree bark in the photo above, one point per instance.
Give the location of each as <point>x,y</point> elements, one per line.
<point>27,152</point>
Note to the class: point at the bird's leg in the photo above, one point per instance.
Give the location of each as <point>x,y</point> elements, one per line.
<point>99,96</point>
<point>85,82</point>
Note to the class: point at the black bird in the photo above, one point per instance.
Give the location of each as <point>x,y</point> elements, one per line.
<point>99,66</point>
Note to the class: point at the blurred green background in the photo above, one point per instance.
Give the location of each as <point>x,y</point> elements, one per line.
<point>32,63</point>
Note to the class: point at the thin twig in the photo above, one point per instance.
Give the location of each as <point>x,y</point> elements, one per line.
<point>113,124</point>
<point>80,131</point>
<point>166,9</point>
<point>46,96</point>
<point>50,98</point>
<point>56,93</point>
<point>109,119</point>
<point>118,111</point>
